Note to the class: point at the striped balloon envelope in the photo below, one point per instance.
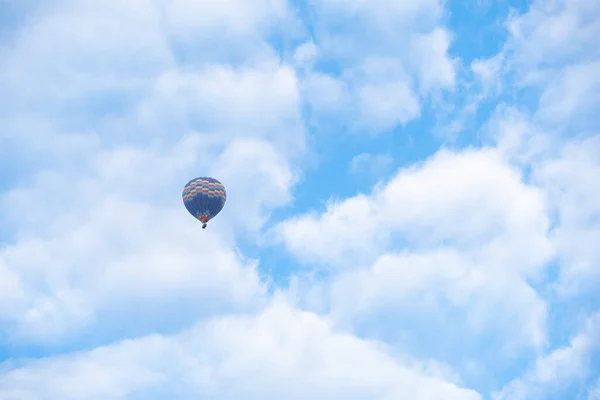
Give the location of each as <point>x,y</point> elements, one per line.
<point>204,198</point>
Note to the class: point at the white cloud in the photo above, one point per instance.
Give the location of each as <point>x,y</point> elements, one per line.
<point>127,76</point>
<point>327,95</point>
<point>376,92</point>
<point>393,55</point>
<point>441,290</point>
<point>48,68</point>
<point>459,235</point>
<point>435,67</point>
<point>227,18</point>
<point>551,49</point>
<point>259,179</point>
<point>571,98</point>
<point>257,100</point>
<point>552,34</point>
<point>424,204</point>
<point>570,181</point>
<point>520,139</point>
<point>306,54</point>
<point>280,353</point>
<point>554,372</point>
<point>488,72</point>
<point>383,106</point>
<point>559,145</point>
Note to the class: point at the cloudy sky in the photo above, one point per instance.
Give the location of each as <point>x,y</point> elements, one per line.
<point>413,201</point>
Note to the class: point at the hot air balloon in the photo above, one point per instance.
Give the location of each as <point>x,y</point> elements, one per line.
<point>204,198</point>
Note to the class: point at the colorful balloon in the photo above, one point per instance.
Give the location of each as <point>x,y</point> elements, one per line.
<point>204,198</point>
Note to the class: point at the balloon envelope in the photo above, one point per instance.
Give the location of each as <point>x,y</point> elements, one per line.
<point>204,198</point>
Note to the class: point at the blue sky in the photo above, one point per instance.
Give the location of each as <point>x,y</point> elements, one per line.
<point>413,208</point>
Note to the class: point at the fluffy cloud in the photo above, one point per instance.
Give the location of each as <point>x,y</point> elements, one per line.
<point>570,99</point>
<point>257,100</point>
<point>552,34</point>
<point>447,246</point>
<point>247,165</point>
<point>563,367</point>
<point>548,67</point>
<point>372,77</point>
<point>550,50</point>
<point>569,180</point>
<point>279,353</point>
<point>424,204</point>
<point>128,77</point>
<point>465,233</point>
